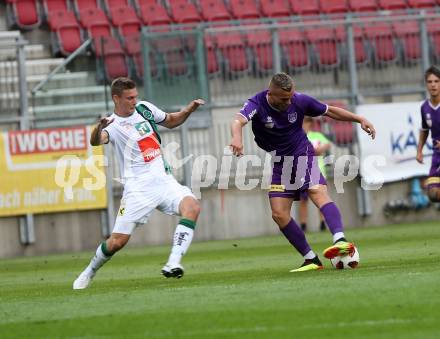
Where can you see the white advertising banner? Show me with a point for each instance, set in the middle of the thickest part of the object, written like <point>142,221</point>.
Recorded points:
<point>392,155</point>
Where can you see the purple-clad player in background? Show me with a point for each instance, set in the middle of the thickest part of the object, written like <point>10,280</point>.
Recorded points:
<point>430,111</point>
<point>277,115</point>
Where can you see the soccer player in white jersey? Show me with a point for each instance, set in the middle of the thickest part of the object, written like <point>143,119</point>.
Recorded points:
<point>147,182</point>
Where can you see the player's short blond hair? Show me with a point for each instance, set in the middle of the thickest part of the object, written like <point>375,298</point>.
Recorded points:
<point>121,84</point>
<point>283,81</point>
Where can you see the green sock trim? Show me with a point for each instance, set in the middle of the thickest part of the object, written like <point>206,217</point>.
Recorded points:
<point>188,223</point>
<point>104,250</point>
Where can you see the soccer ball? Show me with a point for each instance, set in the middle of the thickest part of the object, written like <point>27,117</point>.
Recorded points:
<point>346,261</point>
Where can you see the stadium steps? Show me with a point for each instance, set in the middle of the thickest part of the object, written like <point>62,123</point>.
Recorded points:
<point>33,66</point>
<point>71,95</point>
<point>62,115</point>
<point>77,79</point>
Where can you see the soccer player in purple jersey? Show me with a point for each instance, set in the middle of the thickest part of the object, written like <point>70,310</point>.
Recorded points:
<point>277,115</point>
<point>430,111</point>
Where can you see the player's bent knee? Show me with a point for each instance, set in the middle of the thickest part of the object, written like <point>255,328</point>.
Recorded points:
<point>281,218</point>
<point>190,208</point>
<point>116,242</point>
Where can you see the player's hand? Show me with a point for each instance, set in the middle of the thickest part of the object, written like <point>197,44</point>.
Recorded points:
<point>236,147</point>
<point>419,157</point>
<point>104,122</point>
<point>196,104</point>
<point>436,144</point>
<point>368,127</point>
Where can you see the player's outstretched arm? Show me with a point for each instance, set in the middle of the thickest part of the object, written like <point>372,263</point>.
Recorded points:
<point>423,135</point>
<point>98,136</point>
<point>237,134</point>
<point>178,118</point>
<point>338,113</point>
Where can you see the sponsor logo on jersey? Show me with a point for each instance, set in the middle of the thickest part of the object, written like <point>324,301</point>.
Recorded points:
<point>269,123</point>
<point>149,147</point>
<point>277,188</point>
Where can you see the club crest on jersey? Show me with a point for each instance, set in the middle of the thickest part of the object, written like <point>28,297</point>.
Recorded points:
<point>292,117</point>
<point>269,123</point>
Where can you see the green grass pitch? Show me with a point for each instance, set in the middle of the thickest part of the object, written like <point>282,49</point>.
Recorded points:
<point>233,289</point>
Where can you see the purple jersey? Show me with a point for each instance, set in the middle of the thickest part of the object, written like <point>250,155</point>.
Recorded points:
<point>431,121</point>
<point>281,131</point>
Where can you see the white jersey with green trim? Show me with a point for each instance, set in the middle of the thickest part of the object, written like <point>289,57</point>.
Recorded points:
<point>136,146</point>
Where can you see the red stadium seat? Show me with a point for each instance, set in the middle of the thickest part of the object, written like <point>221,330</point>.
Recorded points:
<point>380,36</point>
<point>25,13</point>
<point>294,46</point>
<point>110,51</point>
<point>69,38</point>
<point>334,6</point>
<point>61,18</point>
<point>233,50</point>
<point>392,4</point>
<point>260,42</point>
<point>111,4</point>
<point>244,9</point>
<point>142,3</point>
<point>421,3</point>
<point>274,8</point>
<point>305,7</point>
<point>172,51</point>
<point>214,10</point>
<point>126,20</point>
<point>184,13</point>
<point>409,34</point>
<point>133,49</point>
<point>52,6</point>
<point>81,5</point>
<point>325,47</point>
<point>343,132</point>
<point>95,22</point>
<point>434,34</point>
<point>363,6</point>
<point>361,53</point>
<point>154,14</point>
<point>212,63</point>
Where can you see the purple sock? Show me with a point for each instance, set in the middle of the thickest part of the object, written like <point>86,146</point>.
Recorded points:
<point>332,217</point>
<point>296,237</point>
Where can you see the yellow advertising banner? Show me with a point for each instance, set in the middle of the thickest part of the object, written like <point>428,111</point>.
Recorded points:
<point>50,170</point>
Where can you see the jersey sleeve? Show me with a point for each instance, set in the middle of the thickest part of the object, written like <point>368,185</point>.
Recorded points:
<point>425,126</point>
<point>313,107</point>
<point>158,114</point>
<point>249,109</point>
<point>110,129</point>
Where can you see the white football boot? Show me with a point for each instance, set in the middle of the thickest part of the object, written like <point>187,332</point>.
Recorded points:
<point>83,281</point>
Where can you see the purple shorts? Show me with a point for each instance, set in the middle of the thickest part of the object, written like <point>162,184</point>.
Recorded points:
<point>434,172</point>
<point>292,177</point>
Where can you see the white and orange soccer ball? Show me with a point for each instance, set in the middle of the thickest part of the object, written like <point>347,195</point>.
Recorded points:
<point>346,261</point>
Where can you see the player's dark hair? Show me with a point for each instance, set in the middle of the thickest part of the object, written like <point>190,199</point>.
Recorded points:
<point>121,84</point>
<point>283,81</point>
<point>432,70</point>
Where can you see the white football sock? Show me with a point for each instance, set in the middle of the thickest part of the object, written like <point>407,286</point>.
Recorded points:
<point>181,241</point>
<point>98,260</point>
<point>338,236</point>
<point>310,255</point>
